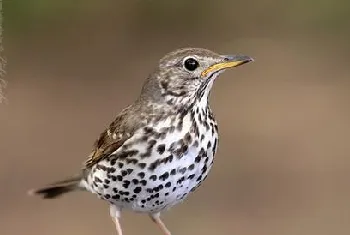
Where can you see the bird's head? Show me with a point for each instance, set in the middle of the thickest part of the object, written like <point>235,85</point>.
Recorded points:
<point>186,75</point>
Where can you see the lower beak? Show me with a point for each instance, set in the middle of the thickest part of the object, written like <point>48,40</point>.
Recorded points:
<point>229,62</point>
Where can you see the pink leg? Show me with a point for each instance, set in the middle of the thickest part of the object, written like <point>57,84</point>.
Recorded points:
<point>115,214</point>
<point>156,219</point>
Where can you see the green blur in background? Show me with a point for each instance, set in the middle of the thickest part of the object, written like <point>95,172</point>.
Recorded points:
<point>283,163</point>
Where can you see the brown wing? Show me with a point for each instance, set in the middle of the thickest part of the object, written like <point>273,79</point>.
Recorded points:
<point>110,140</point>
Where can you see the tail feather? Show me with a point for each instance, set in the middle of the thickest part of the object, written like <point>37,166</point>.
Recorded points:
<point>58,188</point>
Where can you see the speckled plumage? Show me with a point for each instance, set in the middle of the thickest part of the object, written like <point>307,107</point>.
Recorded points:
<point>160,148</point>
<point>158,166</point>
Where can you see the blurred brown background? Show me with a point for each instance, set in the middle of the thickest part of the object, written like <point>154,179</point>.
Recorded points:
<point>283,161</point>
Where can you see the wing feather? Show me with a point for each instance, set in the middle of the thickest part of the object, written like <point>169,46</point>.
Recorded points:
<point>110,140</point>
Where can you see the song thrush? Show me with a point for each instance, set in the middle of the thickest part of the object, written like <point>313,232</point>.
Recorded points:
<point>161,147</point>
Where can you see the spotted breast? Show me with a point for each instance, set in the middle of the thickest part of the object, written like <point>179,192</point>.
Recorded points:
<point>163,163</point>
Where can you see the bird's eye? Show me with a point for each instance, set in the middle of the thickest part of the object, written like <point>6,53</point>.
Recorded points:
<point>191,64</point>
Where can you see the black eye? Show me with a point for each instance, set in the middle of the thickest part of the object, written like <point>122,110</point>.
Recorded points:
<point>191,64</point>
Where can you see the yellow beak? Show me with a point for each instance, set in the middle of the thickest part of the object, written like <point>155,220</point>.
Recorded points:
<point>231,61</point>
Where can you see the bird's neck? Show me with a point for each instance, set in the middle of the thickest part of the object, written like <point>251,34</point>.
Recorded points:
<point>173,105</point>
<point>153,104</point>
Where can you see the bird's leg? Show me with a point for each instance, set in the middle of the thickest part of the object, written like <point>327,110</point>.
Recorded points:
<point>156,219</point>
<point>115,214</point>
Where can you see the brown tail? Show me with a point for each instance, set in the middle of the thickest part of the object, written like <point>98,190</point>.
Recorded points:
<point>58,188</point>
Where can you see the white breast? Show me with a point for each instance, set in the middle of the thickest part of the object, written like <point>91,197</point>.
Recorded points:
<point>140,187</point>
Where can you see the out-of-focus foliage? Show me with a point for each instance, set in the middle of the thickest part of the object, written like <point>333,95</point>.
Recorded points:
<point>308,15</point>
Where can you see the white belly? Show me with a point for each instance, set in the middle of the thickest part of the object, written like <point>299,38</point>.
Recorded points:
<point>159,179</point>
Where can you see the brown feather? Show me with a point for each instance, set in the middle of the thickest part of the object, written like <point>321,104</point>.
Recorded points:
<point>113,137</point>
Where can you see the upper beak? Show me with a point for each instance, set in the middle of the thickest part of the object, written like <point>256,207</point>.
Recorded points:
<point>229,62</point>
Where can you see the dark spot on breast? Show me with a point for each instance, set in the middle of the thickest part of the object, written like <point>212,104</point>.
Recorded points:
<point>206,125</point>
<point>200,118</point>
<point>153,177</point>
<point>156,189</point>
<point>113,161</point>
<point>161,148</point>
<point>164,176</point>
<point>131,160</point>
<point>184,149</point>
<point>202,153</point>
<point>125,154</point>
<point>204,169</point>
<point>146,154</point>
<point>179,125</point>
<point>141,175</point>
<point>137,190</point>
<point>97,179</point>
<point>191,176</point>
<point>119,178</point>
<point>172,146</point>
<point>135,181</point>
<point>167,159</point>
<point>205,177</point>
<point>183,170</point>
<point>191,167</point>
<point>188,138</point>
<point>120,165</point>
<point>151,143</point>
<point>193,116</point>
<point>180,180</point>
<point>154,165</point>
<point>142,165</point>
<point>164,84</point>
<point>149,190</point>
<point>168,184</point>
<point>195,129</point>
<point>214,146</point>
<point>216,127</point>
<point>148,130</point>
<point>102,167</point>
<point>126,183</point>
<point>209,144</point>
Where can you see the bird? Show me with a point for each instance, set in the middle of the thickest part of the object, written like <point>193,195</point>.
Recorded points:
<point>161,147</point>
